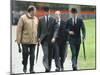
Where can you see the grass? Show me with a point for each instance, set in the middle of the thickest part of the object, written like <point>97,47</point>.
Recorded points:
<point>90,47</point>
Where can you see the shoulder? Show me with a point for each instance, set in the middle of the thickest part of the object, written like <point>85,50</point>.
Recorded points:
<point>80,19</point>
<point>69,20</point>
<point>23,16</point>
<point>36,19</point>
<point>41,17</point>
<point>51,17</point>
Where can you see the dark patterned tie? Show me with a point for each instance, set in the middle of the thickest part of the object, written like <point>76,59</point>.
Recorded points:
<point>47,21</point>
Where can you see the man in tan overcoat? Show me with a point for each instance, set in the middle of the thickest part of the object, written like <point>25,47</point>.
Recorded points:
<point>27,36</point>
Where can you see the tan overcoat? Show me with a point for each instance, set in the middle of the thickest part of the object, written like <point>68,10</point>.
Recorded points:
<point>27,29</point>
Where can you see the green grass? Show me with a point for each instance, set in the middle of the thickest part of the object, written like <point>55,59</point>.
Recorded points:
<point>90,45</point>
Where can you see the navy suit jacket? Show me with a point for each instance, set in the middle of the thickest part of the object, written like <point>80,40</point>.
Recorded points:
<point>77,28</point>
<point>60,32</point>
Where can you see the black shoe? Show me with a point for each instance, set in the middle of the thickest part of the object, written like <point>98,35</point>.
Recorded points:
<point>62,69</point>
<point>32,72</point>
<point>74,68</point>
<point>24,69</point>
<point>47,70</point>
<point>57,70</point>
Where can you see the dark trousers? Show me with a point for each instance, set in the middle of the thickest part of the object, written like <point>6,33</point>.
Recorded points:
<point>62,52</point>
<point>54,53</point>
<point>28,49</point>
<point>75,51</point>
<point>45,52</point>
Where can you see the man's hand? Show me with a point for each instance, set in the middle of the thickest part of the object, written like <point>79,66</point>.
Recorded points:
<point>19,48</point>
<point>83,39</point>
<point>53,40</point>
<point>39,41</point>
<point>71,32</point>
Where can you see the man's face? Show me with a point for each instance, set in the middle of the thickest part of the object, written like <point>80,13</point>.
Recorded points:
<point>33,12</point>
<point>57,15</point>
<point>47,12</point>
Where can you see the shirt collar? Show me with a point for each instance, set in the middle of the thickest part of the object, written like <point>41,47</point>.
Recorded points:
<point>75,17</point>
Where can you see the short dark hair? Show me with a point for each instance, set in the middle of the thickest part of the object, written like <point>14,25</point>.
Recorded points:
<point>73,10</point>
<point>31,8</point>
<point>46,8</point>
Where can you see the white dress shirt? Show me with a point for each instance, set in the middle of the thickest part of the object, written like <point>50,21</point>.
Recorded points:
<point>74,19</point>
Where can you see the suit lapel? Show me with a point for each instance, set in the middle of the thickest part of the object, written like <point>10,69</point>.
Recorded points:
<point>45,23</point>
<point>71,22</point>
<point>60,23</point>
<point>44,20</point>
<point>76,21</point>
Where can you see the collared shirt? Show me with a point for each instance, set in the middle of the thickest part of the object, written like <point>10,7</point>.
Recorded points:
<point>74,20</point>
<point>47,17</point>
<point>58,21</point>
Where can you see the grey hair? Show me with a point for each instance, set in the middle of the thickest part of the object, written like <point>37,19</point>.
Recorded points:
<point>31,8</point>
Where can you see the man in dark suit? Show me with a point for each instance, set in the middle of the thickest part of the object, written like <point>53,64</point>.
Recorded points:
<point>45,34</point>
<point>60,39</point>
<point>73,28</point>
<point>53,47</point>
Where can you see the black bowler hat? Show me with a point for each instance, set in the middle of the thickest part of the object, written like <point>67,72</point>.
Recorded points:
<point>73,10</point>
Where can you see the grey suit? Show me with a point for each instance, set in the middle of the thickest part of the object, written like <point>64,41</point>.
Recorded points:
<point>45,34</point>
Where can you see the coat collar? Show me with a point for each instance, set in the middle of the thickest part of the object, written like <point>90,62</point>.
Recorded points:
<point>29,16</point>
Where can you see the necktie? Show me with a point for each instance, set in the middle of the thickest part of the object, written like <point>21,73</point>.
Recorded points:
<point>47,21</point>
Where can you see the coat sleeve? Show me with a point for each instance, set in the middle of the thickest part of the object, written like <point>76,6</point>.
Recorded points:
<point>67,27</point>
<point>39,28</point>
<point>83,29</point>
<point>19,30</point>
